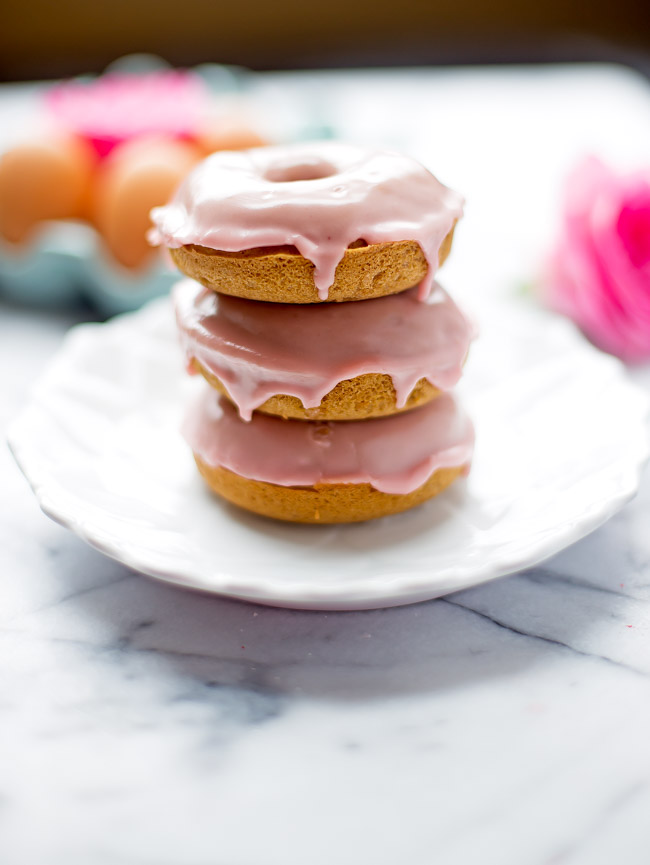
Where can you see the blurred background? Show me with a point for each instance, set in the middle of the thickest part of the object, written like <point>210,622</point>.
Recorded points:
<point>40,39</point>
<point>83,163</point>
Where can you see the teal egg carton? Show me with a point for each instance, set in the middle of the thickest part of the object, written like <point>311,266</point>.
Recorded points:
<point>65,262</point>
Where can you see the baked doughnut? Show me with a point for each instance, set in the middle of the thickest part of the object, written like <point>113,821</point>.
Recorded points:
<point>308,223</point>
<point>312,472</point>
<point>369,395</point>
<point>323,362</point>
<point>321,503</point>
<point>282,275</point>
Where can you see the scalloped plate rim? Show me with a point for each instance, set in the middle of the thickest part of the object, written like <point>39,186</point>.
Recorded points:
<point>389,589</point>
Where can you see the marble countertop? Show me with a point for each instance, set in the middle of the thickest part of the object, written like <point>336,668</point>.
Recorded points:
<point>145,725</point>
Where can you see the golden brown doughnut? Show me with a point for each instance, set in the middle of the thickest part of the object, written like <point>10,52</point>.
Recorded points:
<point>282,275</point>
<point>329,472</point>
<point>322,503</point>
<point>365,396</point>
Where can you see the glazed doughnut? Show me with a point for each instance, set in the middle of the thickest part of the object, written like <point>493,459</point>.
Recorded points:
<point>325,362</point>
<point>322,503</point>
<point>312,472</point>
<point>309,222</point>
<point>368,395</point>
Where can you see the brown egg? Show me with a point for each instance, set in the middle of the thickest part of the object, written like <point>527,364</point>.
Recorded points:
<point>228,134</point>
<point>138,175</point>
<point>48,179</point>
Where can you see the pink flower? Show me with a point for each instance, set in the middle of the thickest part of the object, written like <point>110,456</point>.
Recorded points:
<point>599,273</point>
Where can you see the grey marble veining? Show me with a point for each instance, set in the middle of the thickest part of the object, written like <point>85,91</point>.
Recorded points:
<point>145,725</point>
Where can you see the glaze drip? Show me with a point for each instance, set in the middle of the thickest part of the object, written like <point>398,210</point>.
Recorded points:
<point>395,454</point>
<point>258,350</point>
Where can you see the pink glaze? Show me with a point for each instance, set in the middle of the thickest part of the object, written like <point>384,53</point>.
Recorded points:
<point>119,106</point>
<point>395,454</point>
<point>261,349</point>
<point>319,197</point>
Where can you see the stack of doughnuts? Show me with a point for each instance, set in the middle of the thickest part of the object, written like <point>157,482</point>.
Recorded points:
<point>310,308</point>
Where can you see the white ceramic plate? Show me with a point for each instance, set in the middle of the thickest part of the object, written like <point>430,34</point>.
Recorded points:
<point>561,439</point>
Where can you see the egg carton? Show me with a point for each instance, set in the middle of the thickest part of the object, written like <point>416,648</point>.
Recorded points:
<point>65,262</point>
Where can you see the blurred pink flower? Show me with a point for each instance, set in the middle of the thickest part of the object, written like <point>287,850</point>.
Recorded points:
<point>599,273</point>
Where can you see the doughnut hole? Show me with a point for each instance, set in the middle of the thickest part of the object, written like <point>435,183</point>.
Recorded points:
<point>139,174</point>
<point>309,168</point>
<point>42,180</point>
